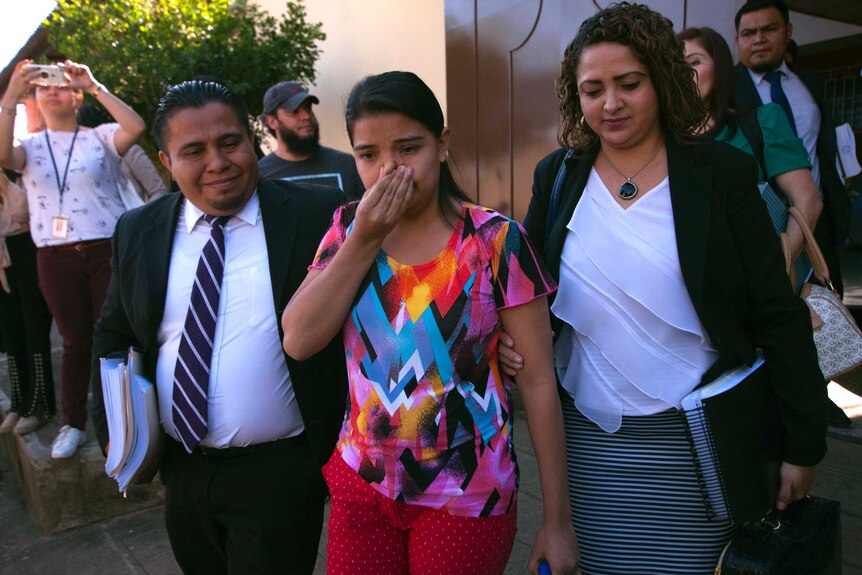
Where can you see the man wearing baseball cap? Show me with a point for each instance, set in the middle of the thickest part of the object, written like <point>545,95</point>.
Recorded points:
<point>299,155</point>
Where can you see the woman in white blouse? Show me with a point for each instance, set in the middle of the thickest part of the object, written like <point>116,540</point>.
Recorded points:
<point>669,274</point>
<point>74,196</point>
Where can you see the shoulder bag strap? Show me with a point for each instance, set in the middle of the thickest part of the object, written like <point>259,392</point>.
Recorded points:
<point>821,270</point>
<point>554,204</point>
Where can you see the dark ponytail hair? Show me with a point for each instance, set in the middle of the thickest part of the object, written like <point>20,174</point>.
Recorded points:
<point>722,101</point>
<point>405,93</point>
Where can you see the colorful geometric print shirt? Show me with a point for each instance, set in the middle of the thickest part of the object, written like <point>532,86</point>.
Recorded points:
<point>429,420</point>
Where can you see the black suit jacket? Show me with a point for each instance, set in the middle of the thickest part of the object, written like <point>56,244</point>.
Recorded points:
<point>836,202</point>
<point>295,218</point>
<point>733,269</point>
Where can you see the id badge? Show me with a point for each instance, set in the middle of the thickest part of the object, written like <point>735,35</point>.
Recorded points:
<point>59,227</point>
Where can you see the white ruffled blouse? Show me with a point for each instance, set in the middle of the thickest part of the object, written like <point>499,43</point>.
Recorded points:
<point>632,343</point>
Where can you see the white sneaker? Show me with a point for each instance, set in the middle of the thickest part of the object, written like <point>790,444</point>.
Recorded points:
<point>67,443</point>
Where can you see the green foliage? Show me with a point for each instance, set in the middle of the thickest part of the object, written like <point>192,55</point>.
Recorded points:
<point>140,47</point>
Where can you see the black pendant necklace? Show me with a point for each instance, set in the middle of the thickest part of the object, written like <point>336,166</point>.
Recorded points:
<point>628,190</point>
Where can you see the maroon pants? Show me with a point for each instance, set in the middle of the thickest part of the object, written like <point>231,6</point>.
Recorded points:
<point>74,280</point>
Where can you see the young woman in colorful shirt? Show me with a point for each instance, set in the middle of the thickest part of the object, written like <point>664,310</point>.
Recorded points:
<point>420,282</point>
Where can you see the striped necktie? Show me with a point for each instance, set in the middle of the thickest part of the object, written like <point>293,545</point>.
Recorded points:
<point>192,372</point>
<point>779,97</point>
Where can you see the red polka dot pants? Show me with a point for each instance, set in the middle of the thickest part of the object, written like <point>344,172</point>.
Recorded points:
<point>370,534</point>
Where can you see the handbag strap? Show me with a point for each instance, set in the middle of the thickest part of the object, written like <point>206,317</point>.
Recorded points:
<point>818,262</point>
<point>554,204</point>
<point>789,268</point>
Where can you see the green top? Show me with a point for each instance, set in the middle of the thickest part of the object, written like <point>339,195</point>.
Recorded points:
<point>782,150</point>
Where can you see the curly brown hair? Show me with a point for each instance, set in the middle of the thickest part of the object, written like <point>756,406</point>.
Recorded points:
<point>651,37</point>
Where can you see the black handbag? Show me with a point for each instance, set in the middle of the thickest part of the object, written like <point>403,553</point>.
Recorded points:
<point>804,539</point>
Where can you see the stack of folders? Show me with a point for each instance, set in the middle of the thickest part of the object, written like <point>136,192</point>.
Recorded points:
<point>735,437</point>
<point>135,435</point>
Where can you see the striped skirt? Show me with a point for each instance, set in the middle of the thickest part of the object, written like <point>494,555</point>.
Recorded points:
<point>636,504</point>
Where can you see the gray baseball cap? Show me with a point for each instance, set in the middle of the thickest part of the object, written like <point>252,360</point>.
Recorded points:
<point>287,95</point>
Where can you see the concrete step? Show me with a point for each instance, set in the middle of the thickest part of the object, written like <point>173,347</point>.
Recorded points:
<point>66,493</point>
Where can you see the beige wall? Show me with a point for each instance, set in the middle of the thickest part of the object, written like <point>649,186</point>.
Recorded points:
<point>369,37</point>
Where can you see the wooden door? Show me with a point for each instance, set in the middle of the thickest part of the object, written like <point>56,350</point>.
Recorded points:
<point>502,60</point>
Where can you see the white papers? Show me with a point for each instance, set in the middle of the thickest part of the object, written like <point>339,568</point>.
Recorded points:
<point>133,420</point>
<point>112,391</point>
<point>846,162</point>
<point>727,380</point>
<point>145,431</point>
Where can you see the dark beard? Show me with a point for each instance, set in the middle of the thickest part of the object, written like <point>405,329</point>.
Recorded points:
<point>299,145</point>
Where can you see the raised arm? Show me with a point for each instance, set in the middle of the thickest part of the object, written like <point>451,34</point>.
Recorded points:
<point>131,124</point>
<point>317,310</point>
<point>529,326</point>
<point>13,157</point>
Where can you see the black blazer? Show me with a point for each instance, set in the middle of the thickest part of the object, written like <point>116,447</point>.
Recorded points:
<point>836,202</point>
<point>295,218</point>
<point>733,269</point>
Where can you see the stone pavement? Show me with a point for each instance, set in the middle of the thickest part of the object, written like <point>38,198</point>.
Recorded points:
<point>136,542</point>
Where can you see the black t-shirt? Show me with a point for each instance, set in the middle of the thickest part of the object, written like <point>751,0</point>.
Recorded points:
<point>327,167</point>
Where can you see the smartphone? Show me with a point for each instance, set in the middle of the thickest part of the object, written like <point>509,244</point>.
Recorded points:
<point>49,75</point>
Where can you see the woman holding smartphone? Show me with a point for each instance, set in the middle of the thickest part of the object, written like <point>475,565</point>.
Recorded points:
<point>75,202</point>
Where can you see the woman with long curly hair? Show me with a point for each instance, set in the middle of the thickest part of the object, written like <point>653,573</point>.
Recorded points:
<point>669,274</point>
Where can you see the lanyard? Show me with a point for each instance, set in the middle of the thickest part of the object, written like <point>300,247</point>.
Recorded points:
<point>61,185</point>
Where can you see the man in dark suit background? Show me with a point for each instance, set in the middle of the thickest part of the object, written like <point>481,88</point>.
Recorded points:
<point>244,491</point>
<point>763,33</point>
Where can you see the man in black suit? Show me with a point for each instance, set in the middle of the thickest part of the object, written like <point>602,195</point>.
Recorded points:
<point>763,33</point>
<point>245,494</point>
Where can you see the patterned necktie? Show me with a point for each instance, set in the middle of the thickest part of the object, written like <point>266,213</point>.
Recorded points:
<point>192,372</point>
<point>779,97</point>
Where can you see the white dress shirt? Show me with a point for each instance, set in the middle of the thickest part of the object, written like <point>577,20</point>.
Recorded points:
<point>250,397</point>
<point>806,114</point>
